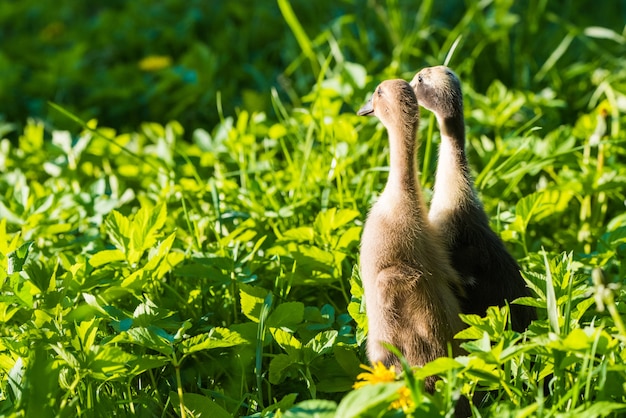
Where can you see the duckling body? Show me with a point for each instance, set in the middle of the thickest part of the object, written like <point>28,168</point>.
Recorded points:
<point>408,280</point>
<point>490,275</point>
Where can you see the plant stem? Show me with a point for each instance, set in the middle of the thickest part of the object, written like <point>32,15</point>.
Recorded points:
<point>179,385</point>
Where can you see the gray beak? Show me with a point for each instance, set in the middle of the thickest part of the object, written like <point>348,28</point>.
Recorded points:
<point>367,109</point>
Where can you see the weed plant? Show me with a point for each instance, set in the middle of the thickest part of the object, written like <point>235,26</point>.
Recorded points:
<point>214,272</point>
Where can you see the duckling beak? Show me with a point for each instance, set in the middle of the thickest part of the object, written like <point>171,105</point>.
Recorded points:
<point>367,109</point>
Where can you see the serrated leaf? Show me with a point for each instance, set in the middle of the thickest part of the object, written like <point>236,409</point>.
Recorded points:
<point>287,341</point>
<point>216,338</point>
<point>332,219</point>
<point>321,344</point>
<point>146,338</point>
<point>145,228</point>
<point>161,260</point>
<point>118,230</point>
<point>288,315</point>
<point>251,301</point>
<point>354,309</point>
<point>278,366</point>
<point>538,206</point>
<point>145,362</point>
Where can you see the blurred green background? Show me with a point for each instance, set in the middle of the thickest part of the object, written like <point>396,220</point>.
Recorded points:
<point>124,62</point>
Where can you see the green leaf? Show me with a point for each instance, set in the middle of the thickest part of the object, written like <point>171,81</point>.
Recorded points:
<point>300,234</point>
<point>313,408</point>
<point>287,341</point>
<point>110,362</point>
<point>349,238</point>
<point>287,315</point>
<point>347,359</point>
<point>145,228</point>
<point>66,356</point>
<point>41,275</point>
<point>368,401</point>
<point>106,256</point>
<point>328,221</point>
<point>17,258</point>
<point>200,406</point>
<point>118,229</point>
<point>85,336</point>
<point>278,367</point>
<point>216,338</point>
<point>321,344</point>
<point>7,310</point>
<point>538,206</point>
<point>251,300</point>
<point>162,260</point>
<point>439,366</point>
<point>146,338</point>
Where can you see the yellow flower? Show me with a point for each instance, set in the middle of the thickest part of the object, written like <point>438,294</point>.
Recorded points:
<point>404,402</point>
<point>377,374</point>
<point>155,62</point>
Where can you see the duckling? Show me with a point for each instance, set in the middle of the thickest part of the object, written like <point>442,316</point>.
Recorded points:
<point>491,276</point>
<point>408,280</point>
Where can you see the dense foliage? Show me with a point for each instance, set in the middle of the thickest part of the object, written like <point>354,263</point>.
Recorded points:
<point>208,266</point>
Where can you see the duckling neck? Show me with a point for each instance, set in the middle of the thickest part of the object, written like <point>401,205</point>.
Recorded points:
<point>453,182</point>
<point>453,129</point>
<point>403,161</point>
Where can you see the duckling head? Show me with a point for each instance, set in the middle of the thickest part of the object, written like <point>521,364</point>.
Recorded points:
<point>394,103</point>
<point>438,89</point>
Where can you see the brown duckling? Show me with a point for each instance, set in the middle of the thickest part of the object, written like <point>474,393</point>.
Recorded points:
<point>408,280</point>
<point>490,275</point>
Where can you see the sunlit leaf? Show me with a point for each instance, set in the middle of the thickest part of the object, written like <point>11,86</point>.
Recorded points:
<point>251,299</point>
<point>287,341</point>
<point>368,399</point>
<point>17,258</point>
<point>216,338</point>
<point>106,256</point>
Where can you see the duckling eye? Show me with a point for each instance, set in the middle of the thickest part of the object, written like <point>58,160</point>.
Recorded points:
<point>379,91</point>
<point>419,79</point>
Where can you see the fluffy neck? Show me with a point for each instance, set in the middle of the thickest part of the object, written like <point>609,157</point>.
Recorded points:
<point>453,182</point>
<point>403,160</point>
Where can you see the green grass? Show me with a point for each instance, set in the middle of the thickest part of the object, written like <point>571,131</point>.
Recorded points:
<point>169,270</point>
